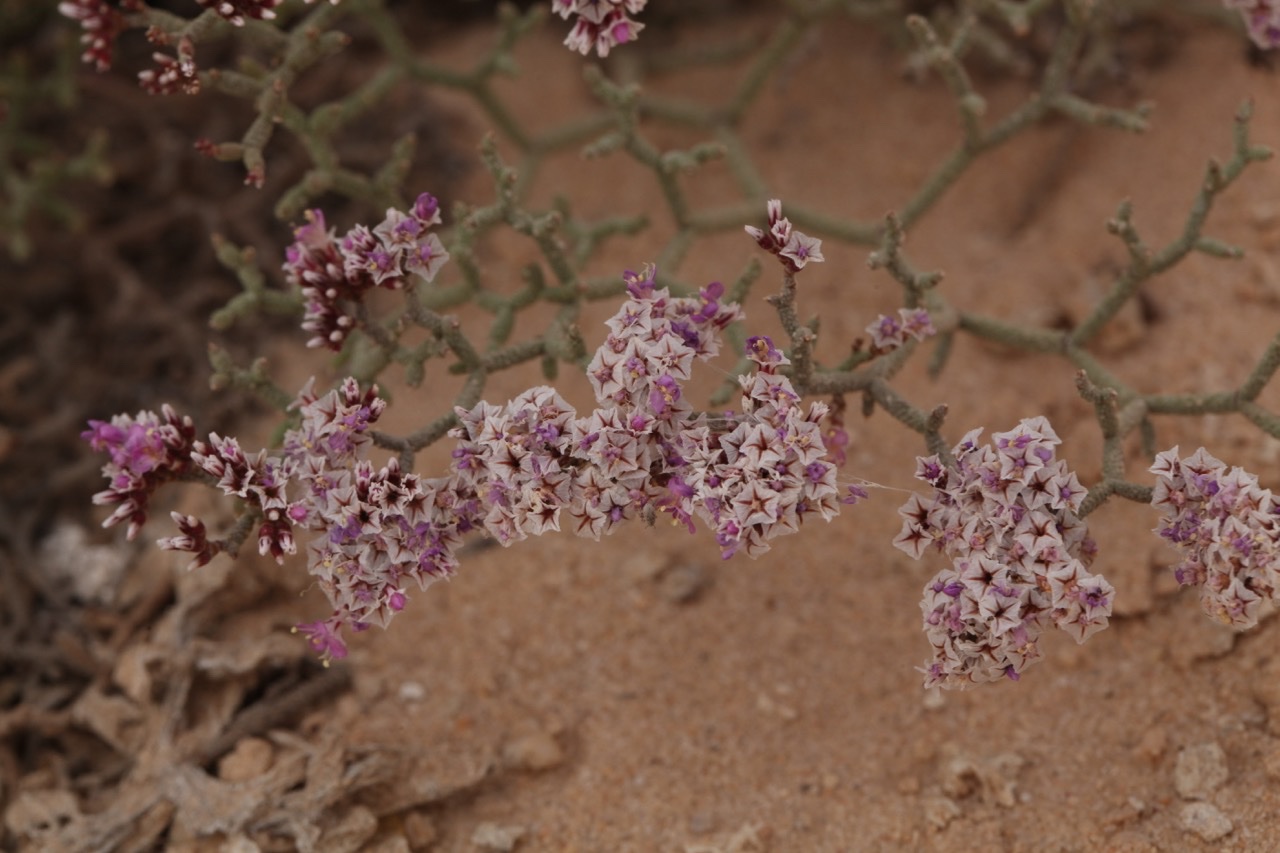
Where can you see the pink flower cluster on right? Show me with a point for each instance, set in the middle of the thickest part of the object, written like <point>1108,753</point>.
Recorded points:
<point>1006,516</point>
<point>1228,529</point>
<point>1261,18</point>
<point>601,24</point>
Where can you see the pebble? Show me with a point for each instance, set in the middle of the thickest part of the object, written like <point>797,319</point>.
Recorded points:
<point>1206,821</point>
<point>250,758</point>
<point>501,839</point>
<point>1152,745</point>
<point>412,691</point>
<point>536,752</point>
<point>940,811</point>
<point>1200,770</point>
<point>683,582</point>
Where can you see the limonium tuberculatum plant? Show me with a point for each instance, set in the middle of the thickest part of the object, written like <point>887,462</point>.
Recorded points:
<point>1007,517</point>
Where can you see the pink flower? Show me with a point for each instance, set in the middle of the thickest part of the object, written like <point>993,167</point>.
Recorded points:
<point>793,248</point>
<point>601,25</point>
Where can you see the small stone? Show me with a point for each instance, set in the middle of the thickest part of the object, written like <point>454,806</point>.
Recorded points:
<point>1200,769</point>
<point>959,777</point>
<point>491,836</point>
<point>412,691</point>
<point>536,752</point>
<point>683,582</point>
<point>41,815</point>
<point>940,811</point>
<point>1152,745</point>
<point>419,831</point>
<point>1205,820</point>
<point>250,758</point>
<point>240,843</point>
<point>768,705</point>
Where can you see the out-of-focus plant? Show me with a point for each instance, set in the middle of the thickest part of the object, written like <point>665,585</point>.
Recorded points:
<point>37,81</point>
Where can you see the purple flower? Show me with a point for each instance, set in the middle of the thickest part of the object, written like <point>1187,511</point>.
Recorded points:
<point>793,248</point>
<point>761,350</point>
<point>324,638</point>
<point>145,451</point>
<point>602,24</point>
<point>1224,523</point>
<point>888,333</point>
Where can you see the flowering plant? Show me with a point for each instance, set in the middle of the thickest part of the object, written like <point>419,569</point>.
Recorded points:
<point>1009,516</point>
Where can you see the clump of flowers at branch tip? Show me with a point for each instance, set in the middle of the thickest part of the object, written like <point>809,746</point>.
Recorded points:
<point>1228,530</point>
<point>1261,19</point>
<point>172,74</point>
<point>102,23</point>
<point>888,333</point>
<point>1005,514</point>
<point>237,11</point>
<point>749,476</point>
<point>145,451</point>
<point>793,248</point>
<point>600,24</point>
<point>335,274</point>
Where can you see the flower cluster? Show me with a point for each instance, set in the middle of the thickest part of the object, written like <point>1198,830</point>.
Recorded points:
<point>374,530</point>
<point>100,23</point>
<point>236,11</point>
<point>518,470</point>
<point>146,451</point>
<point>1261,18</point>
<point>1006,516</point>
<point>888,333</point>
<point>1228,529</point>
<point>750,477</point>
<point>601,24</point>
<point>334,274</point>
<point>793,248</point>
<point>172,74</point>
